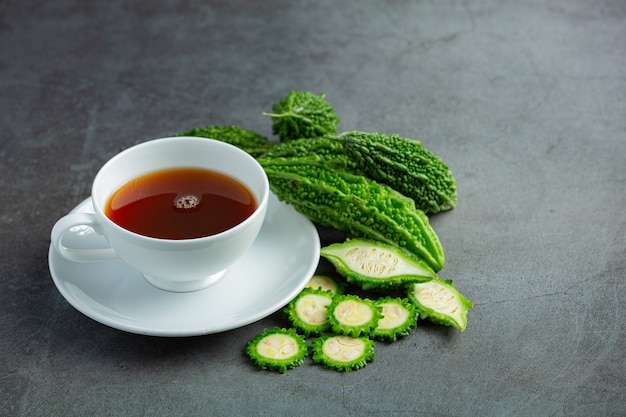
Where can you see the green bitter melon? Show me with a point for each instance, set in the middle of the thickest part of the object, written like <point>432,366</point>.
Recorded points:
<point>278,349</point>
<point>354,204</point>
<point>405,165</point>
<point>375,265</point>
<point>326,149</point>
<point>342,353</point>
<point>438,301</point>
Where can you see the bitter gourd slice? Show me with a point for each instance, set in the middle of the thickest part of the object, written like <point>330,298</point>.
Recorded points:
<point>399,317</point>
<point>438,301</point>
<point>375,265</point>
<point>326,283</point>
<point>246,140</point>
<point>354,204</point>
<point>405,165</point>
<point>353,316</point>
<point>343,353</point>
<point>278,349</point>
<point>302,114</point>
<point>307,311</point>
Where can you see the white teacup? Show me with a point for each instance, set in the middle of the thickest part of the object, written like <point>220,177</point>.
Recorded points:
<point>172,265</point>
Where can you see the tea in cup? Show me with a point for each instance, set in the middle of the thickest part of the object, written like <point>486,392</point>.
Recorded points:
<point>179,210</point>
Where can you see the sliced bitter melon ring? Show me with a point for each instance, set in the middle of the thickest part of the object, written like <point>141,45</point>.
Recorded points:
<point>399,317</point>
<point>307,311</point>
<point>278,349</point>
<point>353,316</point>
<point>376,265</point>
<point>343,353</point>
<point>440,302</point>
<point>325,282</point>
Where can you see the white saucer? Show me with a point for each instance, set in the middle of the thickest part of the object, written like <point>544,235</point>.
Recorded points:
<point>272,272</point>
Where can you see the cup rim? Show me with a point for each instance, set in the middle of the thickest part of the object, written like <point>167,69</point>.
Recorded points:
<point>259,210</point>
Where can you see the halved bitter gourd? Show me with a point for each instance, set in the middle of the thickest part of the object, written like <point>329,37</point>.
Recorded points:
<point>343,353</point>
<point>326,283</point>
<point>307,311</point>
<point>399,317</point>
<point>438,301</point>
<point>353,316</point>
<point>376,265</point>
<point>278,349</point>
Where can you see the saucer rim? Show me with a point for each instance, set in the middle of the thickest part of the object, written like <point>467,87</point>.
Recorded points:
<point>310,261</point>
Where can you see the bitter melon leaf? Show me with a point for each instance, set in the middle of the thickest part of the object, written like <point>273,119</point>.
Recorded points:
<point>343,353</point>
<point>438,301</point>
<point>375,265</point>
<point>278,349</point>
<point>307,311</point>
<point>353,316</point>
<point>399,317</point>
<point>302,114</point>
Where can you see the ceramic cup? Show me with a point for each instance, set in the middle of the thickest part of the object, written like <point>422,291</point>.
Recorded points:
<point>172,265</point>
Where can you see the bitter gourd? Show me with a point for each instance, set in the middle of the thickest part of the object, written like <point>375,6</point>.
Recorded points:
<point>246,140</point>
<point>325,282</point>
<point>307,311</point>
<point>438,301</point>
<point>354,204</point>
<point>399,317</point>
<point>324,148</point>
<point>342,353</point>
<point>405,165</point>
<point>375,265</point>
<point>278,349</point>
<point>302,114</point>
<point>353,316</point>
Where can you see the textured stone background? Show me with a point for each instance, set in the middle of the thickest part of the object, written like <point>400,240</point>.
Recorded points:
<point>525,100</point>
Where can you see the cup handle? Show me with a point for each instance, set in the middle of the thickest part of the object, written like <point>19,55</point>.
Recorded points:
<point>64,226</point>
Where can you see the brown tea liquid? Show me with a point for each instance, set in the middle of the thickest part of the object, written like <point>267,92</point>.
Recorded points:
<point>180,203</point>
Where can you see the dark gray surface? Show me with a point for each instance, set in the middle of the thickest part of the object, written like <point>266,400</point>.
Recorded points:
<point>526,101</point>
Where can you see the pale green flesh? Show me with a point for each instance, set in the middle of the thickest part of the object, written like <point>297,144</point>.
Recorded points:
<point>443,300</point>
<point>376,262</point>
<point>394,316</point>
<point>343,348</point>
<point>277,346</point>
<point>311,309</point>
<point>353,313</point>
<point>324,283</point>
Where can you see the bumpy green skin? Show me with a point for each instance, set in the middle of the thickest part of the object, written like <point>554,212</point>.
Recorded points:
<point>439,310</point>
<point>419,271</point>
<point>405,165</point>
<point>352,329</point>
<point>326,149</point>
<point>402,329</point>
<point>280,365</point>
<point>302,114</point>
<point>247,140</point>
<point>354,204</point>
<point>345,364</point>
<point>302,323</point>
